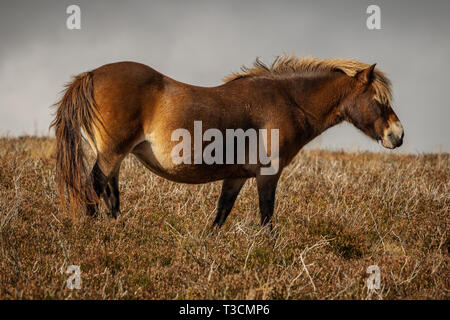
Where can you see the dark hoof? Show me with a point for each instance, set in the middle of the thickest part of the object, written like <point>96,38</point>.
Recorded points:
<point>92,210</point>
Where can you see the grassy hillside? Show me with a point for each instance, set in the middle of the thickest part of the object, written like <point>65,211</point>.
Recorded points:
<point>336,214</point>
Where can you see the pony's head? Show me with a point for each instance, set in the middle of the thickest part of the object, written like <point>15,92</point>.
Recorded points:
<point>367,102</point>
<point>369,108</point>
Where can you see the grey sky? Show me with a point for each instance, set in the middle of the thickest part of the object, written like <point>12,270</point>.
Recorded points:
<point>198,42</point>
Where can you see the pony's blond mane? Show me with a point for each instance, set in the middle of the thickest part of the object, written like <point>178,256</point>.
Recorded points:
<point>288,64</point>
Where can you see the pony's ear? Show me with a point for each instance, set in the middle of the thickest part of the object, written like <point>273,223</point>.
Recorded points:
<point>366,75</point>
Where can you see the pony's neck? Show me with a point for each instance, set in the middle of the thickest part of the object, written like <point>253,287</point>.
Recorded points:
<point>318,99</point>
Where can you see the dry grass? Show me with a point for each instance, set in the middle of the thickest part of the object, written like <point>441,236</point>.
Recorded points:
<point>336,214</point>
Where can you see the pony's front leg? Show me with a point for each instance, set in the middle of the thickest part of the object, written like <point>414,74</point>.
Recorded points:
<point>267,186</point>
<point>230,191</point>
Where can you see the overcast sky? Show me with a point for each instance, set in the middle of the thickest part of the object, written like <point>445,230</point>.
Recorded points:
<point>199,42</point>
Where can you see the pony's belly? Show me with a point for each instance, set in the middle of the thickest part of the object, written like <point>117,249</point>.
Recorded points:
<point>160,162</point>
<point>155,160</point>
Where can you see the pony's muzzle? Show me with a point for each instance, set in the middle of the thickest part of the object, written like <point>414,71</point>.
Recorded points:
<point>393,136</point>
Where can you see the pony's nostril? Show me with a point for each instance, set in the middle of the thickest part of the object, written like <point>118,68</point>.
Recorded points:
<point>399,141</point>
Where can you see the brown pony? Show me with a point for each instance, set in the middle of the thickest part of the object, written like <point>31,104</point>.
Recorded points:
<point>127,107</point>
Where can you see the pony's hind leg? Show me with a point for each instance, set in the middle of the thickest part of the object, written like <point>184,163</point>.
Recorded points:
<point>111,195</point>
<point>105,182</point>
<point>99,182</point>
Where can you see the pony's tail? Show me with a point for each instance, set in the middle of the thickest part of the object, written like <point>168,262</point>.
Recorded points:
<point>75,111</point>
